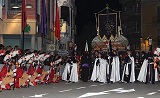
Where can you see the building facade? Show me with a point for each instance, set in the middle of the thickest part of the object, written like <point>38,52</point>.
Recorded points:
<point>150,12</point>
<point>131,22</point>
<point>140,20</point>
<point>68,27</point>
<point>10,32</point>
<point>1,6</point>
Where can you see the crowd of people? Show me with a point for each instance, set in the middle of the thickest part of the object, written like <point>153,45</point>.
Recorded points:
<point>126,66</point>
<point>121,66</point>
<point>26,68</point>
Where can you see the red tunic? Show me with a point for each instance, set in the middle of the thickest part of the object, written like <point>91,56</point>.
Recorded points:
<point>4,71</point>
<point>19,74</point>
<point>31,70</point>
<point>51,76</point>
<point>39,70</point>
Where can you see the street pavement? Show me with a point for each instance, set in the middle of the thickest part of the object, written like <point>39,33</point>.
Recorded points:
<point>86,90</point>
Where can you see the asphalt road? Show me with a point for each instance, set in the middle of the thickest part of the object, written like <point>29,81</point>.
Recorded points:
<point>86,90</point>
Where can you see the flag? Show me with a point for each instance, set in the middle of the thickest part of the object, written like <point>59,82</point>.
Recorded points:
<point>24,16</point>
<point>3,3</point>
<point>107,24</point>
<point>86,47</point>
<point>44,18</point>
<point>57,22</point>
<point>1,9</point>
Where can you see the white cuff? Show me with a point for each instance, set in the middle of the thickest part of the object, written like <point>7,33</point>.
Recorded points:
<point>39,75</point>
<point>14,70</point>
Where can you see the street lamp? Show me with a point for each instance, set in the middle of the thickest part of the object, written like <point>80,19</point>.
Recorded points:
<point>150,43</point>
<point>70,46</point>
<point>141,38</point>
<point>144,42</point>
<point>23,16</point>
<point>24,19</point>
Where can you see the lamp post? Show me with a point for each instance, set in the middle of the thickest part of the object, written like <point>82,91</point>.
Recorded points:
<point>150,43</point>
<point>23,17</point>
<point>24,20</point>
<point>71,46</point>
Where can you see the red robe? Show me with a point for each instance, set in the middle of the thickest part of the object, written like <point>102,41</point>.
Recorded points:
<point>51,76</point>
<point>31,70</point>
<point>19,74</point>
<point>3,71</point>
<point>39,70</point>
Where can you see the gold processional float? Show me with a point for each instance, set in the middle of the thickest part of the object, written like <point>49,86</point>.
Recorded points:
<point>109,29</point>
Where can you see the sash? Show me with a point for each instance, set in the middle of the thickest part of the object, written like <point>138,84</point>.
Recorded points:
<point>85,65</point>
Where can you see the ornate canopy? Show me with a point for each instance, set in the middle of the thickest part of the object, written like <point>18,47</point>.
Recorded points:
<point>119,43</point>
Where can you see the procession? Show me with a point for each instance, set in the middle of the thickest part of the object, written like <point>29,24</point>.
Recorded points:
<point>21,69</point>
<point>79,48</point>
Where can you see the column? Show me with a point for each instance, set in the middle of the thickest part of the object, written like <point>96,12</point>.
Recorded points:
<point>33,42</point>
<point>0,9</point>
<point>1,39</point>
<point>39,43</point>
<point>70,21</point>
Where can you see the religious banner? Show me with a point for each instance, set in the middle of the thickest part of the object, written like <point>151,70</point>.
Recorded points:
<point>107,24</point>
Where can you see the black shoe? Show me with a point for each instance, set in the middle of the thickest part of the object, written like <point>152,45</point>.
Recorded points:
<point>153,83</point>
<point>111,82</point>
<point>69,81</point>
<point>24,86</point>
<point>47,83</point>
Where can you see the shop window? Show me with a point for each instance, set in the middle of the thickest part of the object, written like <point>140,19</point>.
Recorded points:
<point>12,3</point>
<point>14,13</point>
<point>158,13</point>
<point>158,42</point>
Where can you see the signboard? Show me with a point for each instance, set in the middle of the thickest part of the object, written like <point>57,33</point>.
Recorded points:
<point>51,47</point>
<point>63,52</point>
